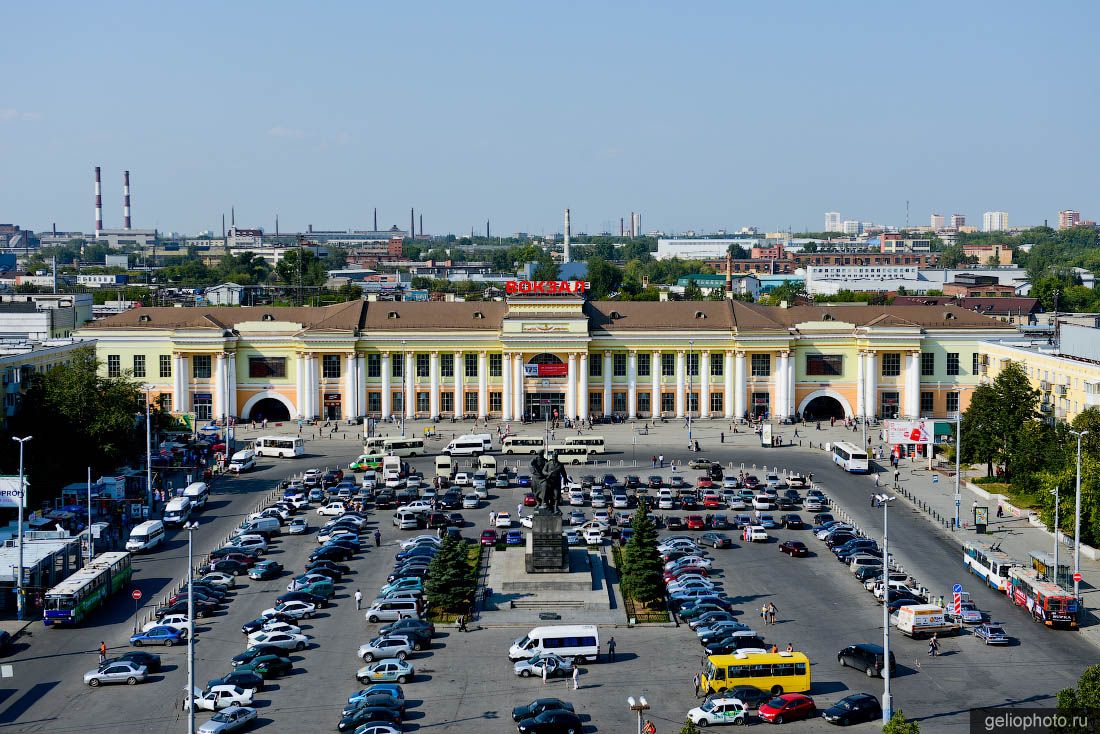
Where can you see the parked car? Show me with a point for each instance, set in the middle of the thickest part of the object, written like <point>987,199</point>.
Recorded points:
<point>121,671</point>
<point>229,720</point>
<point>794,548</point>
<point>269,666</point>
<point>554,665</point>
<point>555,721</point>
<point>159,635</point>
<point>867,657</point>
<point>992,633</point>
<point>787,707</point>
<point>536,707</point>
<point>853,709</point>
<point>150,660</point>
<point>724,710</point>
<point>389,670</point>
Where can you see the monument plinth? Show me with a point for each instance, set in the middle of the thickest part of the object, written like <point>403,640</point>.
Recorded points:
<point>546,548</point>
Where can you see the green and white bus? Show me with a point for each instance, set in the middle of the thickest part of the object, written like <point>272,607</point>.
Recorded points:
<point>71,601</point>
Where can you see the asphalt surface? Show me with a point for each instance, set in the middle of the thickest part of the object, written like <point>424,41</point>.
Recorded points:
<point>465,683</point>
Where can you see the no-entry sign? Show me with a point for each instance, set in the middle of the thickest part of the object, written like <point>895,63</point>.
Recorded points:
<point>1077,578</point>
<point>135,594</point>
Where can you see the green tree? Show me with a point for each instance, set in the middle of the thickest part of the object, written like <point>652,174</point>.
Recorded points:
<point>451,581</point>
<point>787,291</point>
<point>642,573</point>
<point>717,294</point>
<point>692,291</point>
<point>301,267</point>
<point>954,257</point>
<point>737,252</point>
<point>689,727</point>
<point>604,277</point>
<point>1085,696</point>
<point>898,725</point>
<point>998,414</point>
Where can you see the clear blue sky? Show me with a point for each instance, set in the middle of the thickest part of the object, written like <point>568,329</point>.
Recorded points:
<point>699,115</point>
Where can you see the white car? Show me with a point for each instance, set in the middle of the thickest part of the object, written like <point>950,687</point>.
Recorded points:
<point>698,561</point>
<point>287,627</point>
<point>755,534</point>
<point>602,516</point>
<point>175,621</point>
<point>599,499</point>
<point>230,720</point>
<point>593,536</point>
<point>763,502</point>
<point>503,520</point>
<point>220,578</point>
<point>773,480</point>
<point>680,544</point>
<point>369,479</point>
<point>393,479</point>
<point>576,498</point>
<point>620,501</point>
<point>252,542</point>
<point>719,711</point>
<point>462,479</point>
<point>297,526</point>
<point>332,508</point>
<point>418,506</point>
<point>219,697</point>
<point>285,640</point>
<point>527,521</point>
<point>471,502</point>
<point>730,483</point>
<point>736,503</point>
<point>294,609</point>
<point>666,501</point>
<point>421,540</point>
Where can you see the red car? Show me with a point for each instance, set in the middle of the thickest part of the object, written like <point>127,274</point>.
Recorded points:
<point>794,548</point>
<point>684,570</point>
<point>713,502</point>
<point>530,500</point>
<point>787,707</point>
<point>704,483</point>
<point>488,537</point>
<point>694,522</point>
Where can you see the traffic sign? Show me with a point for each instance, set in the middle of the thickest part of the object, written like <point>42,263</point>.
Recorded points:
<point>957,602</point>
<point>957,589</point>
<point>135,594</point>
<point>1077,578</point>
<point>649,728</point>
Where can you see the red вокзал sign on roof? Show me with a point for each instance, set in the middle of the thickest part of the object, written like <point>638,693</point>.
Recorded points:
<point>545,286</point>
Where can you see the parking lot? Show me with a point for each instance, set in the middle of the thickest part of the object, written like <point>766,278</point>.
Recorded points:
<point>465,682</point>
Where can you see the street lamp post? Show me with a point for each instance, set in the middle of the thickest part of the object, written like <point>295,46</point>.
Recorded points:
<point>887,699</point>
<point>958,456</point>
<point>91,541</point>
<point>22,501</point>
<point>404,392</point>
<point>190,527</point>
<point>640,705</point>
<point>148,453</point>
<point>1057,531</point>
<point>1076,525</point>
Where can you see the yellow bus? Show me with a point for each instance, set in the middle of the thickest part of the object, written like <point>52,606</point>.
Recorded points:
<point>777,672</point>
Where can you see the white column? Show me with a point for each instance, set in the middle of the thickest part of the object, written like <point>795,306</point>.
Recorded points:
<point>179,375</point>
<point>433,396</point>
<point>314,385</point>
<point>410,385</point>
<point>632,385</point>
<point>780,408</point>
<point>517,386</point>
<point>582,387</point>
<point>728,407</point>
<point>912,386</point>
<point>506,398</point>
<point>231,366</point>
<point>219,386</point>
<point>300,384</point>
<point>460,384</point>
<point>792,381</point>
<point>681,387</point>
<point>608,367</point>
<point>655,385</point>
<point>571,388</point>
<point>351,388</point>
<point>387,387</point>
<point>482,385</point>
<point>741,387</point>
<point>861,383</point>
<point>704,384</point>
<point>870,400</point>
<point>360,385</point>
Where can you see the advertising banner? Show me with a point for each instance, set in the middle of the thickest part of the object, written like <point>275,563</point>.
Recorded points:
<point>908,432</point>
<point>10,496</point>
<point>553,370</point>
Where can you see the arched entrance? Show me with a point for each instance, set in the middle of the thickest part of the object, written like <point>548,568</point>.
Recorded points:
<point>548,399</point>
<point>270,405</point>
<point>821,405</point>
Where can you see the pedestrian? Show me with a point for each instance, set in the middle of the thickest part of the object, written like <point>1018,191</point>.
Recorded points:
<point>545,668</point>
<point>933,645</point>
<point>773,612</point>
<point>102,652</point>
<point>1000,510</point>
<point>790,647</point>
<point>576,677</point>
<point>695,681</point>
<point>764,613</point>
<point>377,538</point>
<point>611,649</point>
<point>358,599</point>
<point>654,466</point>
<point>462,623</point>
<point>775,649</point>
<point>492,519</point>
<point>661,460</point>
<point>897,477</point>
<point>722,437</point>
<point>519,509</point>
<point>872,500</point>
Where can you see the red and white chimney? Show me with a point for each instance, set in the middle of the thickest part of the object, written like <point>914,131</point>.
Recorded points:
<point>98,204</point>
<point>126,200</point>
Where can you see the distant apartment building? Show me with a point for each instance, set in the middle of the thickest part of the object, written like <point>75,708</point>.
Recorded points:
<point>816,273</point>
<point>832,222</point>
<point>1001,254</point>
<point>995,222</point>
<point>870,257</point>
<point>1068,218</point>
<point>698,248</point>
<point>892,242</point>
<point>20,358</point>
<point>958,221</point>
<point>273,254</point>
<point>938,222</point>
<point>102,280</point>
<point>769,252</point>
<point>851,226</point>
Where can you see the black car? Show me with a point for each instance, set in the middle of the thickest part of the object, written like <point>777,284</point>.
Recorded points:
<point>256,651</point>
<point>242,678</point>
<point>792,495</point>
<point>315,599</point>
<point>369,714</point>
<point>840,537</point>
<point>333,565</point>
<point>380,699</point>
<point>853,709</point>
<point>225,565</point>
<point>823,517</point>
<point>653,481</point>
<point>202,609</point>
<point>210,590</point>
<point>456,520</point>
<point>148,659</point>
<point>437,520</point>
<point>450,500</point>
<point>718,522</point>
<point>385,500</point>
<point>550,722</point>
<point>412,628</point>
<point>720,635</point>
<point>331,553</point>
<point>536,707</point>
<point>674,522</point>
<point>863,573</point>
<point>331,478</point>
<point>731,645</point>
<point>331,573</point>
<point>751,696</point>
<point>227,550</point>
<point>792,521</point>
<point>785,503</point>
<point>632,481</point>
<point>867,657</point>
<point>417,572</point>
<point>271,666</point>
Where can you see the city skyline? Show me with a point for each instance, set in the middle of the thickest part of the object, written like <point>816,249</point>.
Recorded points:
<point>493,112</point>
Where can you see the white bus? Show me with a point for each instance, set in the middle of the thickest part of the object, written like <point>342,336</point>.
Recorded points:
<point>374,445</point>
<point>595,444</point>
<point>569,454</point>
<point>850,458</point>
<point>146,536</point>
<point>989,564</point>
<point>403,446</point>
<point>578,641</point>
<point>523,444</point>
<point>286,447</point>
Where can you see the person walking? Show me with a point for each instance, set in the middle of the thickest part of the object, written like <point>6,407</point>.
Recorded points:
<point>102,652</point>
<point>661,460</point>
<point>773,612</point>
<point>695,681</point>
<point>358,599</point>
<point>764,613</point>
<point>933,645</point>
<point>611,649</point>
<point>774,649</point>
<point>519,509</point>
<point>897,477</point>
<point>492,519</point>
<point>377,538</point>
<point>576,677</point>
<point>722,437</point>
<point>545,668</point>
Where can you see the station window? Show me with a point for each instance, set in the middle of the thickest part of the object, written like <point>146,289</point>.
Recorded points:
<point>495,365</point>
<point>166,365</point>
<point>952,402</point>
<point>398,402</point>
<point>927,364</point>
<point>139,365</point>
<point>693,402</point>
<point>717,402</point>
<point>423,367</point>
<point>595,403</point>
<point>693,364</point>
<point>447,402</point>
<point>114,365</point>
<point>471,364</point>
<point>471,402</point>
<point>761,365</point>
<point>423,402</point>
<point>618,402</point>
<point>717,364</point>
<point>330,366</point>
<point>927,403</point>
<point>952,363</point>
<point>619,369</point>
<point>975,363</point>
<point>644,405</point>
<point>495,402</point>
<point>668,402</point>
<point>447,365</point>
<point>266,367</point>
<point>374,402</point>
<point>643,365</point>
<point>374,365</point>
<point>668,365</point>
<point>397,365</point>
<point>595,366</point>
<point>200,365</point>
<point>891,364</point>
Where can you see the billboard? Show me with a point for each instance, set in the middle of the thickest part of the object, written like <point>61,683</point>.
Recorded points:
<point>10,496</point>
<point>546,370</point>
<point>909,432</point>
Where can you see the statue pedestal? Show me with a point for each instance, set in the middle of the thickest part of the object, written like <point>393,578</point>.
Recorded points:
<point>546,548</point>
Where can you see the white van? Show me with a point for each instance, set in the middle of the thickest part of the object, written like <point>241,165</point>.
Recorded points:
<point>578,641</point>
<point>485,438</point>
<point>465,446</point>
<point>286,447</point>
<point>373,445</point>
<point>243,461</point>
<point>488,464</point>
<point>403,446</point>
<point>391,610</point>
<point>406,520</point>
<point>177,511</point>
<point>146,536</point>
<point>266,526</point>
<point>595,444</point>
<point>569,454</point>
<point>198,493</point>
<point>523,444</point>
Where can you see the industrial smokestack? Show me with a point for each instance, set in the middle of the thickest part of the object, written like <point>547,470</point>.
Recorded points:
<point>565,247</point>
<point>421,225</point>
<point>375,219</point>
<point>98,205</point>
<point>126,200</point>
<point>635,224</point>
<point>412,223</point>
<point>486,229</point>
<point>622,228</point>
